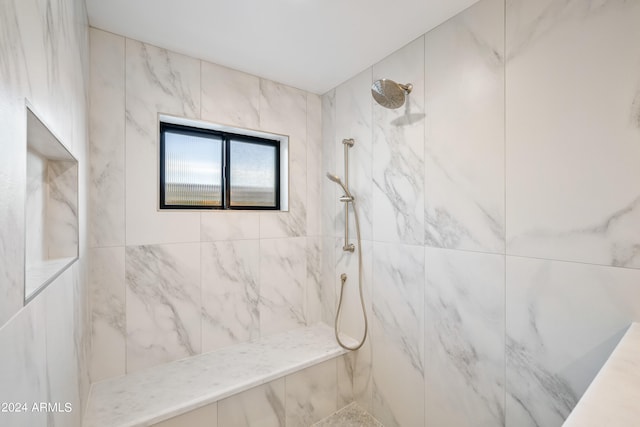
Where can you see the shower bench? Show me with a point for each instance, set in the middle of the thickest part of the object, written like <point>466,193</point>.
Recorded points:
<point>162,392</point>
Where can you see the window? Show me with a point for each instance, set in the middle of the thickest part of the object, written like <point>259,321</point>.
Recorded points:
<point>214,169</point>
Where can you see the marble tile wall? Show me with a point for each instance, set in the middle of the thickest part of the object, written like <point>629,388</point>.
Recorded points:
<point>44,53</point>
<point>166,285</point>
<point>503,204</point>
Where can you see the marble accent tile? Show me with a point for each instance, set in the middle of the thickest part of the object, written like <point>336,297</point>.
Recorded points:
<point>350,416</point>
<point>563,320</point>
<point>329,203</point>
<point>315,171</point>
<point>311,394</point>
<point>63,359</point>
<point>229,293</point>
<point>230,97</point>
<point>397,334</point>
<point>107,140</point>
<point>163,303</point>
<point>207,416</point>
<point>283,110</point>
<point>107,296</point>
<point>464,338</point>
<point>398,151</point>
<point>464,142</point>
<point>313,307</point>
<point>156,394</point>
<point>23,364</point>
<point>283,280</point>
<point>353,120</point>
<point>157,81</point>
<point>573,131</point>
<point>229,225</point>
<point>261,406</point>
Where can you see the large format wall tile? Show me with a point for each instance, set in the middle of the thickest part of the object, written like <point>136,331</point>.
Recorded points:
<point>163,303</point>
<point>230,97</point>
<point>23,365</point>
<point>107,144</point>
<point>261,406</point>
<point>398,334</point>
<point>353,120</point>
<point>464,338</point>
<point>283,278</point>
<point>229,225</point>
<point>314,169</point>
<point>311,394</point>
<point>283,110</point>
<point>329,191</point>
<point>563,320</point>
<point>229,293</point>
<point>157,81</point>
<point>314,293</point>
<point>572,131</point>
<point>107,290</point>
<point>63,357</point>
<point>354,368</point>
<point>464,148</point>
<point>398,151</point>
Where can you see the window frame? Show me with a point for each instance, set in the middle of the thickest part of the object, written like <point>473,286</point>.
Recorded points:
<point>225,157</point>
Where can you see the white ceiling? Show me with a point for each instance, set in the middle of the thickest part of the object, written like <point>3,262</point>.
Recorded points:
<point>309,44</point>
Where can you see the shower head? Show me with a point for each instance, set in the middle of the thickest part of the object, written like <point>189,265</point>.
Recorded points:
<point>334,178</point>
<point>390,94</point>
<point>337,180</point>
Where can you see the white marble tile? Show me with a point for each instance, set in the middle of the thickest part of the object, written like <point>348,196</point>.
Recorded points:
<point>283,110</point>
<point>397,334</point>
<point>230,97</point>
<point>108,330</point>
<point>398,151</point>
<point>261,406</point>
<point>229,225</point>
<point>63,359</point>
<point>23,365</point>
<point>12,214</point>
<point>355,379</point>
<point>314,291</point>
<point>163,303</point>
<point>329,203</point>
<point>353,120</point>
<point>464,338</point>
<point>351,317</point>
<point>562,321</point>
<point>283,281</point>
<point>572,134</point>
<point>612,396</point>
<point>36,210</point>
<point>327,284</point>
<point>157,81</point>
<point>229,293</point>
<point>207,416</point>
<point>144,397</point>
<point>61,224</point>
<point>464,142</point>
<point>311,394</point>
<point>107,140</point>
<point>315,170</point>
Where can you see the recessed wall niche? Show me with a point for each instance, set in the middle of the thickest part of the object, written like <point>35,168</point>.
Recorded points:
<point>51,223</point>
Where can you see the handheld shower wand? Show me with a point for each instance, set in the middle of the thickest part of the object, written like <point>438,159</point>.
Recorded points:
<point>349,247</point>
